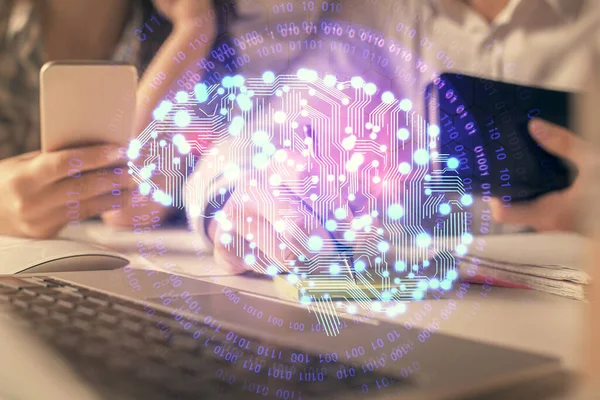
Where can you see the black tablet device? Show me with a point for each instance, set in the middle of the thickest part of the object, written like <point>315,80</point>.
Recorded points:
<point>484,135</point>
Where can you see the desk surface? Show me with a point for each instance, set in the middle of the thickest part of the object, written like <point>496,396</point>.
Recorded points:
<point>524,319</point>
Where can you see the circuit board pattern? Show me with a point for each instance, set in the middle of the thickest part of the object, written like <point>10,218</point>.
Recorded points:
<point>335,168</point>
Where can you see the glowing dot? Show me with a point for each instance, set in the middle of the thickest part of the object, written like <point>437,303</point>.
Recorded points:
<point>376,306</point>
<point>349,235</point>
<point>400,266</point>
<point>334,269</point>
<point>144,188</point>
<point>226,239</point>
<point>220,90</point>
<point>182,97</point>
<point>395,212</point>
<point>351,197</point>
<point>268,77</point>
<point>313,197</point>
<point>403,134</point>
<point>434,283</point>
<point>231,171</point>
<point>405,105</point>
<point>433,130</point>
<point>269,149</point>
<point>201,92</point>
<point>383,247</point>
<point>275,180</point>
<point>345,101</point>
<point>357,82</point>
<point>423,240</point>
<point>182,118</point>
<point>461,249</point>
<point>244,102</point>
<point>349,142</point>
<point>421,157</point>
<point>360,266</point>
<point>370,89</point>
<point>238,80</point>
<point>445,209</point>
<point>260,161</point>
<point>223,111</point>
<point>404,168</point>
<point>418,295</point>
<point>279,117</point>
<point>315,243</point>
<point>446,285</point>
<point>249,259</point>
<point>340,213</point>
<point>428,192</point>
<point>466,199</point>
<point>422,285</point>
<point>348,130</point>
<point>331,225</point>
<point>329,80</point>
<point>452,163</point>
<point>369,125</point>
<point>272,270</point>
<point>352,309</point>
<point>376,179</point>
<point>452,275</point>
<point>235,128</point>
<point>260,138</point>
<point>467,238</point>
<point>307,75</point>
<point>388,97</point>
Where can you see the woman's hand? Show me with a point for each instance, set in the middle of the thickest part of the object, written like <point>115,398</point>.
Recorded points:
<point>43,192</point>
<point>556,211</point>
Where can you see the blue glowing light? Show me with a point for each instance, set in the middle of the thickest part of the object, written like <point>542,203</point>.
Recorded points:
<point>433,130</point>
<point>466,199</point>
<point>340,213</point>
<point>238,80</point>
<point>395,212</point>
<point>418,295</point>
<point>272,270</point>
<point>446,285</point>
<point>144,188</point>
<point>400,266</point>
<point>404,168</point>
<point>331,225</point>
<point>182,97</point>
<point>388,97</point>
<point>249,259</point>
<point>452,163</point>
<point>201,92</point>
<point>423,240</point>
<point>334,269</point>
<point>357,82</point>
<point>268,77</point>
<point>385,274</point>
<point>405,105</point>
<point>359,266</point>
<point>236,126</point>
<point>445,208</point>
<point>421,157</point>
<point>403,134</point>
<point>349,235</point>
<point>370,89</point>
<point>452,275</point>
<point>315,243</point>
<point>182,118</point>
<point>260,161</point>
<point>467,238</point>
<point>260,138</point>
<point>226,238</point>
<point>383,247</point>
<point>397,281</point>
<point>461,249</point>
<point>227,82</point>
<point>434,283</point>
<point>244,102</point>
<point>329,80</point>
<point>307,75</point>
<point>386,296</point>
<point>422,285</point>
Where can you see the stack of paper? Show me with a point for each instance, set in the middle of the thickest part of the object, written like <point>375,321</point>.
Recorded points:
<point>551,263</point>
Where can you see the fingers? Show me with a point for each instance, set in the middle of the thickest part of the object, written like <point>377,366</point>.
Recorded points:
<point>558,141</point>
<point>547,213</point>
<point>54,166</point>
<point>53,221</point>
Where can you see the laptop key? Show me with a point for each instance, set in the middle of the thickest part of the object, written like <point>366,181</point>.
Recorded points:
<point>18,283</point>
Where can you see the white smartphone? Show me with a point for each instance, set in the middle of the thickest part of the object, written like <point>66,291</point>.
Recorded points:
<point>85,103</point>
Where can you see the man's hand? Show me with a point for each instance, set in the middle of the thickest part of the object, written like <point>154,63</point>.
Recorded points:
<point>556,211</point>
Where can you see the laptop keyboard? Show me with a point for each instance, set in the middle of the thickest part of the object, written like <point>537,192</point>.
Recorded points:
<point>117,346</point>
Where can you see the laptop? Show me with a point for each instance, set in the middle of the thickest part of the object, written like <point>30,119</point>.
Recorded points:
<point>102,335</point>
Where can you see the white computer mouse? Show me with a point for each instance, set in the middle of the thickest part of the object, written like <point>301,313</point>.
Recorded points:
<point>57,255</point>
